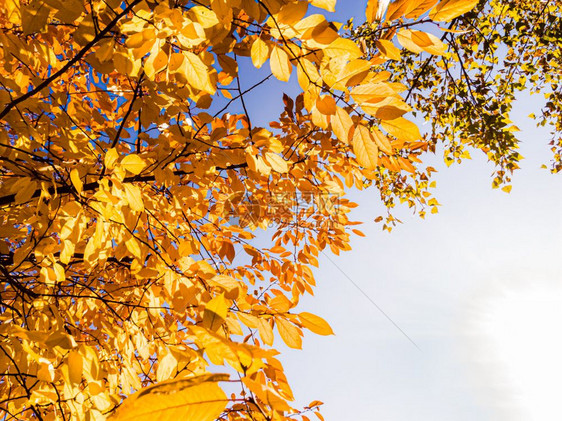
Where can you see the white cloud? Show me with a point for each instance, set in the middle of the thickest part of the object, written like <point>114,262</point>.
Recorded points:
<point>518,352</point>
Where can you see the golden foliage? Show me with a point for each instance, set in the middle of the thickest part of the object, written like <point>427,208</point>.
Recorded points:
<point>134,177</point>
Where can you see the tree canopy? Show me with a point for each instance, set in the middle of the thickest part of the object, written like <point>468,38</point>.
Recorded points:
<point>499,48</point>
<point>133,180</point>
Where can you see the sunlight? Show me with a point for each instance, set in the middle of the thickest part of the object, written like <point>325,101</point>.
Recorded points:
<point>523,330</point>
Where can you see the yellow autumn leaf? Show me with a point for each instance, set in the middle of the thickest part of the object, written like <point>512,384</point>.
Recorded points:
<point>421,7</point>
<point>428,42</point>
<point>315,324</point>
<point>388,49</point>
<point>258,164</point>
<point>290,334</point>
<point>175,62</point>
<point>364,146</point>
<point>389,109</point>
<point>76,182</point>
<point>371,10</point>
<point>28,192</point>
<point>110,158</point>
<point>447,10</point>
<point>133,163</point>
<point>248,319</point>
<point>259,52</point>
<point>276,162</point>
<point>12,11</point>
<point>292,12</point>
<point>195,398</point>
<point>166,367</point>
<point>307,74</point>
<point>406,165</point>
<point>157,62</point>
<point>196,73</point>
<point>371,92</point>
<point>404,37</point>
<point>326,104</point>
<point>280,64</point>
<point>228,283</point>
<point>133,246</point>
<point>60,339</point>
<point>265,331</point>
<point>311,27</point>
<point>341,124</point>
<point>133,196</point>
<point>204,16</point>
<point>402,129</point>
<point>59,272</point>
<point>343,47</point>
<point>215,312</point>
<point>329,5</point>
<point>399,8</point>
<point>267,394</point>
<point>75,366</point>
<point>231,287</point>
<point>135,40</point>
<point>382,142</point>
<point>318,119</point>
<point>354,72</point>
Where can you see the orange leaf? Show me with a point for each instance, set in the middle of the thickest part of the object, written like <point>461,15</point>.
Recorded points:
<point>447,10</point>
<point>290,334</point>
<point>326,104</point>
<point>315,324</point>
<point>365,149</point>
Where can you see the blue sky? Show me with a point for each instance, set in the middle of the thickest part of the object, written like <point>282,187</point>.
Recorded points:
<point>477,287</point>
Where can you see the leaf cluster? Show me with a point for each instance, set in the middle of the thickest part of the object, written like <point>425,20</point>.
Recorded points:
<point>498,49</point>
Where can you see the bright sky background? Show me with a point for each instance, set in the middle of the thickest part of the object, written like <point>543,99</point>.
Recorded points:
<point>477,287</point>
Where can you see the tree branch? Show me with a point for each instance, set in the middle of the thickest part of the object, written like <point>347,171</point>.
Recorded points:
<point>66,189</point>
<point>70,63</point>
